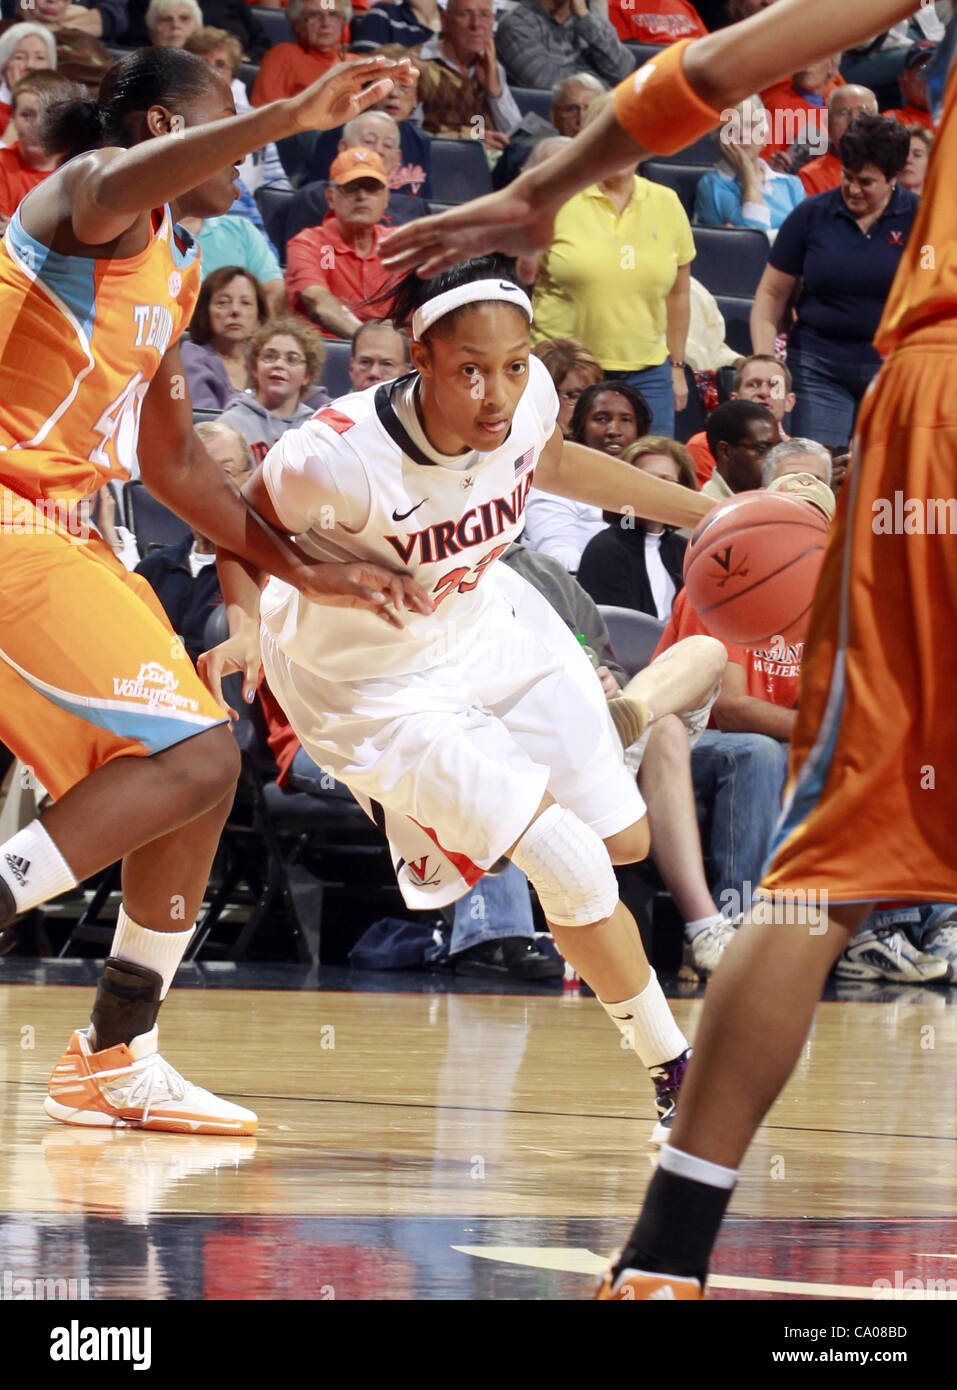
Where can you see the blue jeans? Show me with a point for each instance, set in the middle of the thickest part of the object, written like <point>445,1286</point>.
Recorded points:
<point>498,906</point>
<point>654,383</point>
<point>828,395</point>
<point>918,920</point>
<point>738,780</point>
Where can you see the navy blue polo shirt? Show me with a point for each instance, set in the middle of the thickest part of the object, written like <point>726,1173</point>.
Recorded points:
<point>847,273</point>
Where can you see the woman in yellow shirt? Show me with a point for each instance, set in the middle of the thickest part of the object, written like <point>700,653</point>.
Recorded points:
<point>617,277</point>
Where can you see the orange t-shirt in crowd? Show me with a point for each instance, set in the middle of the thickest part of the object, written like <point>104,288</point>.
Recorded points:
<point>656,21</point>
<point>288,69</point>
<point>911,115</point>
<point>803,125</point>
<point>772,674</point>
<point>353,279</point>
<point>821,174</point>
<point>700,451</point>
<point>17,177</point>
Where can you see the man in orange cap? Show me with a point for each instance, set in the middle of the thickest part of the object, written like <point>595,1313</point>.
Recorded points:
<point>334,270</point>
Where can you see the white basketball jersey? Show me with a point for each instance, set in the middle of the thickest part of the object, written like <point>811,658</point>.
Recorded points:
<point>443,527</point>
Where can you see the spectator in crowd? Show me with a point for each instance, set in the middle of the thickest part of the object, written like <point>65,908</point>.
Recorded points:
<point>376,130</point>
<point>915,170</point>
<point>740,434</point>
<point>705,349</point>
<point>798,456</point>
<point>27,161</point>
<point>572,369</point>
<point>616,277</point>
<point>402,104</point>
<point>171,22</point>
<point>380,351</point>
<point>230,307</point>
<point>541,41</point>
<point>913,85</point>
<point>99,19</point>
<point>236,16</point>
<point>183,576</point>
<point>234,241</point>
<point>608,417</point>
<point>656,21</point>
<point>743,190</point>
<point>78,31</point>
<point>845,246</point>
<point>635,563</point>
<point>288,68</point>
<point>844,105</point>
<point>796,112</point>
<point>333,271</point>
<point>224,54</point>
<point>23,48</point>
<point>760,378</point>
<point>285,358</point>
<point>463,87</point>
<point>571,98</point>
<point>409,23</point>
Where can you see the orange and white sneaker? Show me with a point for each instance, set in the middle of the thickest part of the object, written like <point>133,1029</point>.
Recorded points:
<point>635,1285</point>
<point>130,1086</point>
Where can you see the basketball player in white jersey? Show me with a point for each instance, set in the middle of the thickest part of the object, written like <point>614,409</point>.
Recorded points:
<point>478,731</point>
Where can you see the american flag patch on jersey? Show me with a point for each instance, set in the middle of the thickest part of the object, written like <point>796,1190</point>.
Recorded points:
<point>522,463</point>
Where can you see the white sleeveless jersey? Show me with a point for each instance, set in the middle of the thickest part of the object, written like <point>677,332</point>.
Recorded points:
<point>443,527</point>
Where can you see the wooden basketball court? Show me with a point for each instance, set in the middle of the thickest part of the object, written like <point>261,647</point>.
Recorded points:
<point>450,1145</point>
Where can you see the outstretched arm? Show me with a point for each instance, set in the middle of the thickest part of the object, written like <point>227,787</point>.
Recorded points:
<point>112,187</point>
<point>719,70</point>
<point>572,470</point>
<point>178,471</point>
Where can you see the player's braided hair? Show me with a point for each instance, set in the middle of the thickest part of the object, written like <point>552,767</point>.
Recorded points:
<point>147,77</point>
<point>401,300</point>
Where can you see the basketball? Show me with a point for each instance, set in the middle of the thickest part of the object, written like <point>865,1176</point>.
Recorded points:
<point>752,565</point>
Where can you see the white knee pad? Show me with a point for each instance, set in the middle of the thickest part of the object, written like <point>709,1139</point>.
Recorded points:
<point>570,868</point>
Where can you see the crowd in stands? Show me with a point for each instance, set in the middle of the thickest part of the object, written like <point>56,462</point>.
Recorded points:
<point>813,184</point>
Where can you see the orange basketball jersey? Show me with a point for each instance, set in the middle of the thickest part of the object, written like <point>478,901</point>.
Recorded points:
<point>80,341</point>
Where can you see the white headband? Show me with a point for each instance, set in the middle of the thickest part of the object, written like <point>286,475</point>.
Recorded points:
<point>474,293</point>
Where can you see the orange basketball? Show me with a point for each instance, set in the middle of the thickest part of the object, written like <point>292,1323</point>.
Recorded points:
<point>752,565</point>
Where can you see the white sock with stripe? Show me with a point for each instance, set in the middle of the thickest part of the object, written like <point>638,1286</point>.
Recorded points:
<point>32,867</point>
<point>161,951</point>
<point>647,1024</point>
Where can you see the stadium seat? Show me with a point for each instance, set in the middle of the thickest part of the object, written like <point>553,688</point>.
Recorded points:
<point>248,72</point>
<point>295,154</point>
<point>634,635</point>
<point>335,372</point>
<point>459,170</point>
<point>692,419</point>
<point>274,205</point>
<point>704,152</point>
<point>441,207</point>
<point>153,525</point>
<point>642,51</point>
<point>275,24</point>
<point>736,311</point>
<point>683,178</point>
<point>880,71</point>
<point>729,260</point>
<point>532,99</point>
<point>201,414</point>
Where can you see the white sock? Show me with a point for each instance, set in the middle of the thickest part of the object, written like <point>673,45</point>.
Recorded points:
<point>698,1169</point>
<point>161,951</point>
<point>647,1025</point>
<point>700,924</point>
<point>33,868</point>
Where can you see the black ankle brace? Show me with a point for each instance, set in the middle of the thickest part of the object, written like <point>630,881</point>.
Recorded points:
<point>127,1003</point>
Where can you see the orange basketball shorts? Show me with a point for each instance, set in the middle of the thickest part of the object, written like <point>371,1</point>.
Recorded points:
<point>90,669</point>
<point>871,802</point>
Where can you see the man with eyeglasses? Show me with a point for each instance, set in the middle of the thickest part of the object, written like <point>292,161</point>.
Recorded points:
<point>463,87</point>
<point>288,68</point>
<point>844,105</point>
<point>333,271</point>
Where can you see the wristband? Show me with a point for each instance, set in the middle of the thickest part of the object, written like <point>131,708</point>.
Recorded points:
<point>658,108</point>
